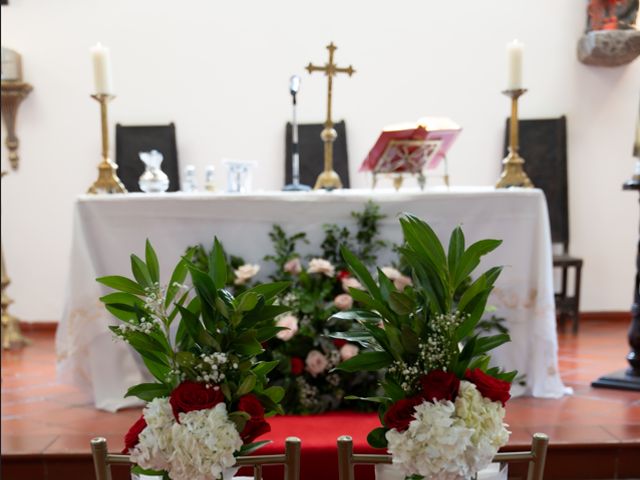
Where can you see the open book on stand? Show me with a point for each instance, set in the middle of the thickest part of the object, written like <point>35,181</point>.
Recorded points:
<point>412,147</point>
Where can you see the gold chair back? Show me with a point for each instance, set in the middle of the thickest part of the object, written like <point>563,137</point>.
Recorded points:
<point>536,457</point>
<point>102,460</point>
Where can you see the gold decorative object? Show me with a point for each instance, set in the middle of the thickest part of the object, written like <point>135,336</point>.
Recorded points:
<point>108,181</point>
<point>329,179</point>
<point>13,92</point>
<point>11,334</point>
<point>513,174</point>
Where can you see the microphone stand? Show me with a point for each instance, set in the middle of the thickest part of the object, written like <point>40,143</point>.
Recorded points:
<point>295,185</point>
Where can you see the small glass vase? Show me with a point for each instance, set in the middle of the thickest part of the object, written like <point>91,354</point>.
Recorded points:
<point>153,179</point>
<point>238,176</point>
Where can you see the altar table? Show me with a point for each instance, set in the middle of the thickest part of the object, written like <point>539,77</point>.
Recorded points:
<point>108,228</point>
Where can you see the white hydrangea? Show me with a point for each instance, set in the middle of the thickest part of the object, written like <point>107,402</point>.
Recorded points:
<point>155,442</point>
<point>200,447</point>
<point>450,441</point>
<point>434,444</point>
<point>485,417</point>
<point>203,444</point>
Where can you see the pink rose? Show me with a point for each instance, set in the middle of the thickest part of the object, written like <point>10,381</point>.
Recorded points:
<point>401,282</point>
<point>293,266</point>
<point>348,350</point>
<point>316,363</point>
<point>351,282</point>
<point>288,321</point>
<point>343,301</point>
<point>322,266</point>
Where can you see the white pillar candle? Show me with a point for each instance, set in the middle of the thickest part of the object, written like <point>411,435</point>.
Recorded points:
<point>514,62</point>
<point>102,69</point>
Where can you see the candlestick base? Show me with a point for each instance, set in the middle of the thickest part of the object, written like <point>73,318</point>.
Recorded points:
<point>513,174</point>
<point>296,187</point>
<point>329,180</point>
<point>108,181</point>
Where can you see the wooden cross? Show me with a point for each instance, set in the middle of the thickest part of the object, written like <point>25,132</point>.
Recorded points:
<point>330,70</point>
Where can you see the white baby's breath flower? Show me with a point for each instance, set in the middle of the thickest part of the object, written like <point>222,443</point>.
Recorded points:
<point>245,272</point>
<point>320,265</point>
<point>291,323</point>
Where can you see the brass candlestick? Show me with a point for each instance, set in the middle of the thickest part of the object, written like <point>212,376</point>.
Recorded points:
<point>13,92</point>
<point>513,174</point>
<point>329,179</point>
<point>11,334</point>
<point>108,181</point>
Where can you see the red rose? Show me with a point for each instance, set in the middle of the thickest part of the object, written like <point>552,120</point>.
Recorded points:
<point>339,342</point>
<point>439,385</point>
<point>131,438</point>
<point>256,425</point>
<point>400,414</point>
<point>342,274</point>
<point>490,387</point>
<point>297,365</point>
<point>189,396</point>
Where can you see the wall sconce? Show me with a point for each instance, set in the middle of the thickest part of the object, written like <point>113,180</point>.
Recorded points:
<point>14,90</point>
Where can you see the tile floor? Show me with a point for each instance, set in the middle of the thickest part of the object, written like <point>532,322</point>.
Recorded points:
<point>40,416</point>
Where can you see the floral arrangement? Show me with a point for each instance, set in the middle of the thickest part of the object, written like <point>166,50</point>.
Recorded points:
<point>320,284</point>
<point>442,409</point>
<point>303,350</point>
<point>210,398</point>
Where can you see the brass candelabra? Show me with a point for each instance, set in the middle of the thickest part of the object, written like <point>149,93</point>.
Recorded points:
<point>513,174</point>
<point>11,334</point>
<point>108,181</point>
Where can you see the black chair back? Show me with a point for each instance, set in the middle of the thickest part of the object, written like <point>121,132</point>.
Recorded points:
<point>543,145</point>
<point>131,140</point>
<point>311,150</point>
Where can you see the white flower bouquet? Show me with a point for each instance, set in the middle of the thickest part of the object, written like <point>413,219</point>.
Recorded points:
<point>210,398</point>
<point>442,410</point>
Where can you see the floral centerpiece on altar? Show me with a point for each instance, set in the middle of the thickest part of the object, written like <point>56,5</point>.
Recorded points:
<point>304,353</point>
<point>320,284</point>
<point>442,409</point>
<point>210,399</point>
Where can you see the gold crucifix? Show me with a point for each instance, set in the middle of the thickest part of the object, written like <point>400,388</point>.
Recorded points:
<point>329,179</point>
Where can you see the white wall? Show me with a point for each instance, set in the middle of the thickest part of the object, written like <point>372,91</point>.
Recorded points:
<point>220,71</point>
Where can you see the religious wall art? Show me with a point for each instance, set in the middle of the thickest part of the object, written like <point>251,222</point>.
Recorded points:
<point>612,37</point>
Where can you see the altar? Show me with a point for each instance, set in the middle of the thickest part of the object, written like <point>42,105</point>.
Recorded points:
<point>108,228</point>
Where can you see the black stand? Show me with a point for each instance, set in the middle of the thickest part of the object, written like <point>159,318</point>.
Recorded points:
<point>295,185</point>
<point>629,379</point>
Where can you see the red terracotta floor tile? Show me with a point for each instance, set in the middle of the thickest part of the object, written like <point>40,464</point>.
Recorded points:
<point>625,433</point>
<point>572,434</point>
<point>25,443</point>
<point>79,443</point>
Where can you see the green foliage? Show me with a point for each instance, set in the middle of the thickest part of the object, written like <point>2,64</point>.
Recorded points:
<point>443,307</point>
<point>210,321</point>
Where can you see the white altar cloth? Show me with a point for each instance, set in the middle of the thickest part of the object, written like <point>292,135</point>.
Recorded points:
<point>108,228</point>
